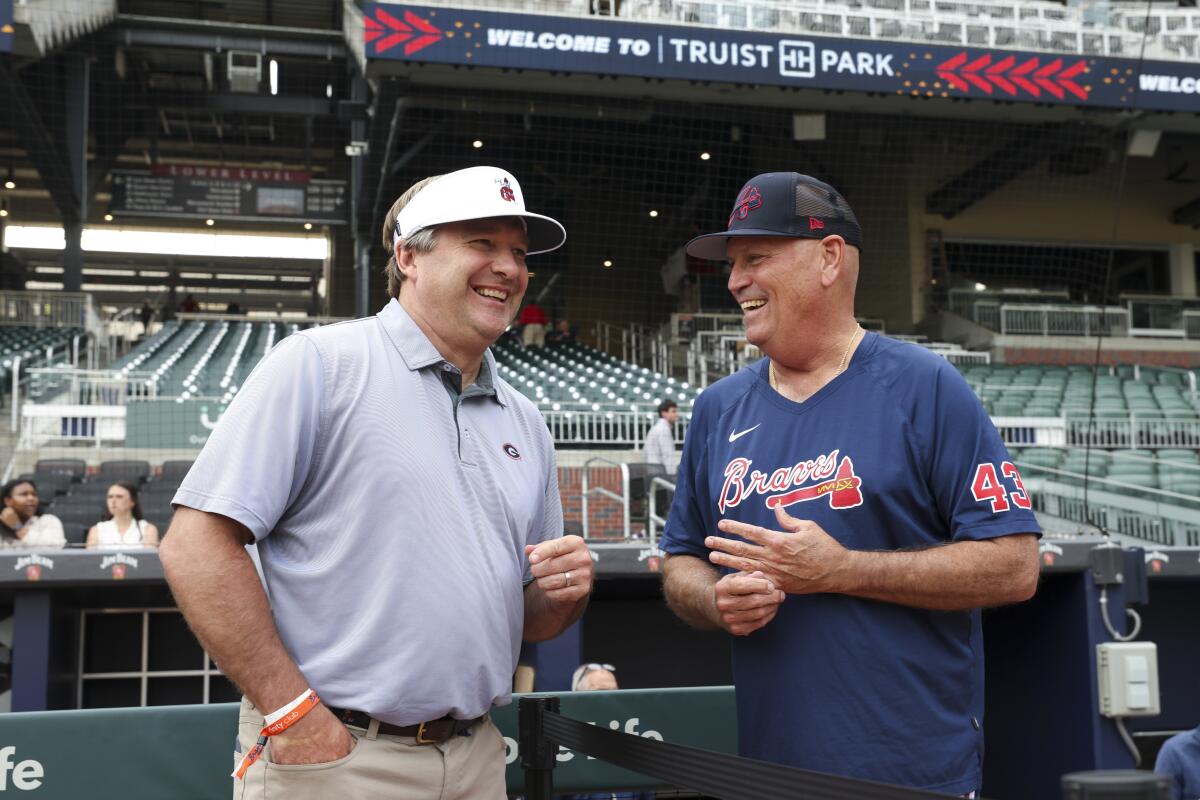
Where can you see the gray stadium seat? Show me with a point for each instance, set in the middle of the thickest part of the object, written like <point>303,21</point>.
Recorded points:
<point>75,467</point>
<point>124,470</point>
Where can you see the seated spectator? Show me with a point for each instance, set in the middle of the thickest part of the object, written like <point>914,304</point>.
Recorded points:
<point>20,524</point>
<point>1180,759</point>
<point>591,678</point>
<point>563,333</point>
<point>124,525</point>
<point>594,677</point>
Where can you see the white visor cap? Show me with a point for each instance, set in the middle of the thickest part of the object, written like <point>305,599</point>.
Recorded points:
<point>477,193</point>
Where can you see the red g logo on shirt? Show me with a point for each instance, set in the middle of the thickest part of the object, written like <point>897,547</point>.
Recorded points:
<point>986,487</point>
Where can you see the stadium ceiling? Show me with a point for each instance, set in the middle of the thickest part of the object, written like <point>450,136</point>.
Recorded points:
<point>161,93</point>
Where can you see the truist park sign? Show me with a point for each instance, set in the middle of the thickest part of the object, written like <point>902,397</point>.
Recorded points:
<point>421,34</point>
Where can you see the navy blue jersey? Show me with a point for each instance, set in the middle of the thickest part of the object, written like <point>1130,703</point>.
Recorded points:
<point>896,452</point>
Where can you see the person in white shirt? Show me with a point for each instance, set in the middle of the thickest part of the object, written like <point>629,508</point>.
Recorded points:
<point>20,524</point>
<point>660,441</point>
<point>124,526</point>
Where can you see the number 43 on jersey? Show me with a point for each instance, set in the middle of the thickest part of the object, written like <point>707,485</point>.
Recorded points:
<point>987,487</point>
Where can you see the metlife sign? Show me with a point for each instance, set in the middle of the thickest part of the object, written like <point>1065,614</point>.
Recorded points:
<point>420,34</point>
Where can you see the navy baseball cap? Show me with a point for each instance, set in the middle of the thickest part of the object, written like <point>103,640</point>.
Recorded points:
<point>782,204</point>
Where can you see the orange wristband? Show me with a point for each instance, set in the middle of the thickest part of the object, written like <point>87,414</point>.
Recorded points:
<point>276,723</point>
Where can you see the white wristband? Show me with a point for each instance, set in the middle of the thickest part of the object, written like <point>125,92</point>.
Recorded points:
<point>275,716</point>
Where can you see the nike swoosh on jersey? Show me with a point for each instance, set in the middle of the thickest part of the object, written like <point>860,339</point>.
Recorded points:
<point>733,437</point>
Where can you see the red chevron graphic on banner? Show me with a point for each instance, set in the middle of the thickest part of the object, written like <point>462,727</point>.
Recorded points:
<point>1028,77</point>
<point>397,32</point>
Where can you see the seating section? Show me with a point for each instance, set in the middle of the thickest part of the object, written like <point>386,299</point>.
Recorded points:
<point>203,359</point>
<point>78,497</point>
<point>1050,391</point>
<point>36,347</point>
<point>578,378</point>
<point>1123,471</point>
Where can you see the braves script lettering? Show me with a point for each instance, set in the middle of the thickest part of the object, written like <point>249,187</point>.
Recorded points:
<point>779,485</point>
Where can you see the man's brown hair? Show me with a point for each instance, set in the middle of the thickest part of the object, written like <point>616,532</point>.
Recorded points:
<point>422,241</point>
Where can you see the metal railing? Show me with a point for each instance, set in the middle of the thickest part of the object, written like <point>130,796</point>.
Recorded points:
<point>1120,432</point>
<point>641,345</point>
<point>654,520</point>
<point>92,387</point>
<point>968,302</point>
<point>588,490</point>
<point>1064,320</point>
<point>1191,324</point>
<point>47,309</point>
<point>1160,517</point>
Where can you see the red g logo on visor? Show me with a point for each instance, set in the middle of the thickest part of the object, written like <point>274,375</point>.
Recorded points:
<point>747,201</point>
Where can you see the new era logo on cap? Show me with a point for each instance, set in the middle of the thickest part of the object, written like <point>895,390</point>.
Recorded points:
<point>782,204</point>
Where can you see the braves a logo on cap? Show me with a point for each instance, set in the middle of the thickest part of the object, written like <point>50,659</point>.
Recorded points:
<point>834,478</point>
<point>815,224</point>
<point>506,191</point>
<point>749,200</point>
<point>511,451</point>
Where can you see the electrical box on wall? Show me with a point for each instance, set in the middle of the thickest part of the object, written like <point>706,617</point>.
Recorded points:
<point>1128,678</point>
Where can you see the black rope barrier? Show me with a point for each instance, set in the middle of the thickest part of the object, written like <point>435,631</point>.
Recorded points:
<point>717,774</point>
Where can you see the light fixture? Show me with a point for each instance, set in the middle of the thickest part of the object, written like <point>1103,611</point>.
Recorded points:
<point>478,143</point>
<point>981,287</point>
<point>209,222</point>
<point>608,262</point>
<point>3,211</point>
<point>10,182</point>
<point>653,212</point>
<point>705,156</point>
<point>108,217</point>
<point>308,226</point>
<point>274,75</point>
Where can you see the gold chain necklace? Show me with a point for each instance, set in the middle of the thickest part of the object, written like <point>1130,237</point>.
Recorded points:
<point>774,379</point>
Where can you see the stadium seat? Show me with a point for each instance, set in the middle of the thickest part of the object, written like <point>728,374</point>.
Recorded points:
<point>49,484</point>
<point>74,467</point>
<point>174,470</point>
<point>123,470</point>
<point>76,520</point>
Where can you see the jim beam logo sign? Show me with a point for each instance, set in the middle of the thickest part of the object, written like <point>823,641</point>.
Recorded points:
<point>653,558</point>
<point>32,565</point>
<point>1156,559</point>
<point>1050,553</point>
<point>118,563</point>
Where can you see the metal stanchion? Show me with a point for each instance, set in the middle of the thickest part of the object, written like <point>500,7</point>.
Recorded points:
<point>537,753</point>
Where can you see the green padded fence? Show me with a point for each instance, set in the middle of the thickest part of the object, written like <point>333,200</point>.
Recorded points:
<point>187,751</point>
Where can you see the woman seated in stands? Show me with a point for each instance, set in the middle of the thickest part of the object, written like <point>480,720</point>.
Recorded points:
<point>20,523</point>
<point>123,526</point>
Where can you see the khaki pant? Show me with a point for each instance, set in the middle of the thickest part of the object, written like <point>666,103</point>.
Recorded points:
<point>461,768</point>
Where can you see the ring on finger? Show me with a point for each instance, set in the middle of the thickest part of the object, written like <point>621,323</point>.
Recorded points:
<point>568,577</point>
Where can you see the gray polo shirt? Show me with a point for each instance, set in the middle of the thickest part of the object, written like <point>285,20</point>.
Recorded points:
<point>391,514</point>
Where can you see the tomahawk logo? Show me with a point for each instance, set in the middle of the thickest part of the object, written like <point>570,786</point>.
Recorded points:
<point>747,201</point>
<point>835,480</point>
<point>26,775</point>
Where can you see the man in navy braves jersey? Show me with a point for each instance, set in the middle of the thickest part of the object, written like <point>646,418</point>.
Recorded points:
<point>844,508</point>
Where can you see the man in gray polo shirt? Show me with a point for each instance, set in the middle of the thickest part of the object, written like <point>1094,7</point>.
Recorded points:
<point>404,501</point>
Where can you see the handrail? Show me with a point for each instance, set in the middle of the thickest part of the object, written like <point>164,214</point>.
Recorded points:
<point>622,498</point>
<point>653,520</point>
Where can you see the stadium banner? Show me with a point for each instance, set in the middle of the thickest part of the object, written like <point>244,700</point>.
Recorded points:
<point>242,193</point>
<point>171,423</point>
<point>187,751</point>
<point>420,34</point>
<point>74,567</point>
<point>6,26</point>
